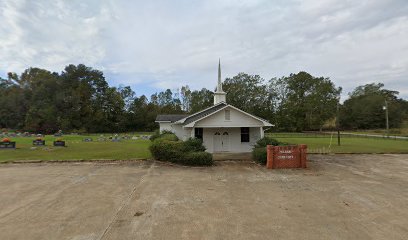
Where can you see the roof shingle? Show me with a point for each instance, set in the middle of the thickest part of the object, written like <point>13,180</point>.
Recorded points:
<point>170,117</point>
<point>204,113</point>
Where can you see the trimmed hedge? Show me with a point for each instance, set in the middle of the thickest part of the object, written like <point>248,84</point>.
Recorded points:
<point>259,152</point>
<point>167,147</point>
<point>166,150</point>
<point>193,145</point>
<point>197,159</point>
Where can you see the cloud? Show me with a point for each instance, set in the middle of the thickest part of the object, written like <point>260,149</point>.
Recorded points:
<point>51,34</point>
<point>165,44</point>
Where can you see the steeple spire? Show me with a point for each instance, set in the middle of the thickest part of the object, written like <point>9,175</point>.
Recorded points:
<point>219,95</point>
<point>219,87</point>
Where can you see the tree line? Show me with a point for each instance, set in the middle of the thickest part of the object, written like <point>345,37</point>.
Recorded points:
<point>79,99</point>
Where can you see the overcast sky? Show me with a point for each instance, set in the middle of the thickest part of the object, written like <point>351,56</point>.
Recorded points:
<point>153,45</point>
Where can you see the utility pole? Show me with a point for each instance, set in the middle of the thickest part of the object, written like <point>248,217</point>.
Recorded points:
<point>386,118</point>
<point>337,121</point>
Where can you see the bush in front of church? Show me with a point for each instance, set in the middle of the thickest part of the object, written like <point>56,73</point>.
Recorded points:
<point>193,145</point>
<point>191,152</point>
<point>166,150</point>
<point>197,159</point>
<point>259,150</point>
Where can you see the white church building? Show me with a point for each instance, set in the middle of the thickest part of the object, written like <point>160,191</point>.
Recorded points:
<point>222,127</point>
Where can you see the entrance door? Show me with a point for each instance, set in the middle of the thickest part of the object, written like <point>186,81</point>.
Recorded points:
<point>217,142</point>
<point>225,142</point>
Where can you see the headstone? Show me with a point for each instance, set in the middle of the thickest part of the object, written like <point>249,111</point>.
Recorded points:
<point>39,142</point>
<point>7,145</point>
<point>116,139</point>
<point>59,143</point>
<point>127,137</point>
<point>145,137</point>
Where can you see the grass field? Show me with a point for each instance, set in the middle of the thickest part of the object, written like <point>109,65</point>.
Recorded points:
<point>328,144</point>
<point>77,149</point>
<point>138,149</point>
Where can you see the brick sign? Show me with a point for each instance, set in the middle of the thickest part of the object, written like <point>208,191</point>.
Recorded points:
<point>286,156</point>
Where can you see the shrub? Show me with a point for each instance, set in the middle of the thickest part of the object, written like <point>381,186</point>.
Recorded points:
<point>166,150</point>
<point>191,152</point>
<point>259,155</point>
<point>155,135</point>
<point>267,141</point>
<point>259,151</point>
<point>194,145</point>
<point>197,159</point>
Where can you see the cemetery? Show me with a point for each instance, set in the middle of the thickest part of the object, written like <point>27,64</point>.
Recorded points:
<point>65,147</point>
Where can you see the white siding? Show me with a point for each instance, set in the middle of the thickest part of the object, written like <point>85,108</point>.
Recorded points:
<point>234,143</point>
<point>182,133</point>
<point>165,126</point>
<point>237,119</point>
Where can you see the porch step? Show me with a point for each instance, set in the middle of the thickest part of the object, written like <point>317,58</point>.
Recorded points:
<point>232,156</point>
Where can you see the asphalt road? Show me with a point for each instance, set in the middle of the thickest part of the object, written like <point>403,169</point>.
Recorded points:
<point>337,197</point>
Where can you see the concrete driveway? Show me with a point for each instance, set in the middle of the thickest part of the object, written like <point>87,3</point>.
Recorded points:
<point>337,197</point>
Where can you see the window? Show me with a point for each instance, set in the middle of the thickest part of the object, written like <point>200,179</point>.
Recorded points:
<point>227,115</point>
<point>198,133</point>
<point>244,134</point>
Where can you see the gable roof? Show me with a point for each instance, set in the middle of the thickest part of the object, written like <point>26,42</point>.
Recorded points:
<point>214,109</point>
<point>198,115</point>
<point>170,117</point>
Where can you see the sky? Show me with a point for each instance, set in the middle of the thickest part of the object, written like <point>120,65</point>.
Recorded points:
<point>159,44</point>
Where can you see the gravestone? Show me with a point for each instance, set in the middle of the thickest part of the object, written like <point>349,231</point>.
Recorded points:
<point>145,137</point>
<point>39,142</point>
<point>6,144</point>
<point>116,138</point>
<point>59,143</point>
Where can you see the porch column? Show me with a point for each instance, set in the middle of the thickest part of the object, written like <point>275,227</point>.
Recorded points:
<point>192,134</point>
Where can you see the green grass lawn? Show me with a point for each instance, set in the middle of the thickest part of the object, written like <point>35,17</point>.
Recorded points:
<point>138,149</point>
<point>77,149</point>
<point>321,144</point>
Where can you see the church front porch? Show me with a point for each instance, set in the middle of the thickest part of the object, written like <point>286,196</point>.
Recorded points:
<point>230,140</point>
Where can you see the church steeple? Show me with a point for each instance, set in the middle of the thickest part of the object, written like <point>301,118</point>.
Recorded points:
<point>219,95</point>
<point>219,87</point>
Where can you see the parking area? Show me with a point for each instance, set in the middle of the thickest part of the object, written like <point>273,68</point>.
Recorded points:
<point>337,197</point>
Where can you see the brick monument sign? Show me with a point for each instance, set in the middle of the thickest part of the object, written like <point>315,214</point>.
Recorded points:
<point>286,156</point>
